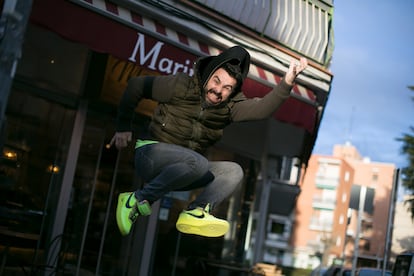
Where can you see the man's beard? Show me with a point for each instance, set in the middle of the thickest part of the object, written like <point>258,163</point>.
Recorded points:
<point>218,95</point>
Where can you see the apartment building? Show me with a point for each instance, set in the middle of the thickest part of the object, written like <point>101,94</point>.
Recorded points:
<point>326,224</point>
<point>403,234</point>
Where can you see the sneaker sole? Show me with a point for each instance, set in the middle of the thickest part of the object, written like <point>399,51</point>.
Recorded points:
<point>206,230</point>
<point>121,220</point>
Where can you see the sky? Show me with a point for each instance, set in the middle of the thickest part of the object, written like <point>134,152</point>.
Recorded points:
<point>370,103</point>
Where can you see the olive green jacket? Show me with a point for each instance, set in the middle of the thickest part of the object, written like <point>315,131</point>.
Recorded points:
<point>182,116</point>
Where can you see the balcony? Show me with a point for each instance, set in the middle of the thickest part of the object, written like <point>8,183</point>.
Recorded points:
<point>323,182</point>
<point>276,244</point>
<point>317,224</point>
<point>304,26</point>
<point>322,203</point>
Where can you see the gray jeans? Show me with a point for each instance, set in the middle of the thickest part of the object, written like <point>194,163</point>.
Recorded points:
<point>167,167</point>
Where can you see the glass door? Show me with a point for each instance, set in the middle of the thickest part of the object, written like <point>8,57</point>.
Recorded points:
<point>92,242</point>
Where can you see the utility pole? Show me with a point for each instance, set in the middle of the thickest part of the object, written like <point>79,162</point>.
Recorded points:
<point>390,224</point>
<point>13,20</point>
<point>358,231</point>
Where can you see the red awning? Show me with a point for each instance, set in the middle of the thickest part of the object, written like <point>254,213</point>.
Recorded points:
<point>108,28</point>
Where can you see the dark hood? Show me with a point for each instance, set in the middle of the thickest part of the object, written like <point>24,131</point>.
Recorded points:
<point>235,55</point>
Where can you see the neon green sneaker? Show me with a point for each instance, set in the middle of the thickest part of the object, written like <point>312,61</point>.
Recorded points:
<point>128,210</point>
<point>199,222</point>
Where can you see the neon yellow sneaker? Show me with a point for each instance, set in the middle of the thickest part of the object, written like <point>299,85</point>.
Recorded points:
<point>199,222</point>
<point>128,210</point>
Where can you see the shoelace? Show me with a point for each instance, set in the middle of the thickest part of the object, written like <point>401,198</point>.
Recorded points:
<point>207,208</point>
<point>134,213</point>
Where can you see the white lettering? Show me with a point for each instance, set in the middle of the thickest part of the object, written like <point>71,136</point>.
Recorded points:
<point>142,57</point>
<point>164,65</point>
<point>185,70</point>
<point>177,67</point>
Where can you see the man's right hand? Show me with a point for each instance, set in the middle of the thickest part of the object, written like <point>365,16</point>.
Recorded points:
<point>121,139</point>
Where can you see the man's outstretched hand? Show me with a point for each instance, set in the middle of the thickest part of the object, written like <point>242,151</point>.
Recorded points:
<point>121,139</point>
<point>295,68</point>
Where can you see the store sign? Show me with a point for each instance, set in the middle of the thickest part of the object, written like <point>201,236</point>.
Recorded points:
<point>154,61</point>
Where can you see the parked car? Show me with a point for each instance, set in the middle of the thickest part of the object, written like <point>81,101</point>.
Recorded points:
<point>404,264</point>
<point>368,271</point>
<point>319,271</point>
<point>338,270</point>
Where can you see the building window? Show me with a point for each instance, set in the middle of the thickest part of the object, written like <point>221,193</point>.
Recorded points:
<point>278,228</point>
<point>375,173</point>
<point>344,197</point>
<point>346,177</point>
<point>321,220</point>
<point>338,241</point>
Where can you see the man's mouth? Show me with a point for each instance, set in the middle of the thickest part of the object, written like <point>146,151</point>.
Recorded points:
<point>217,96</point>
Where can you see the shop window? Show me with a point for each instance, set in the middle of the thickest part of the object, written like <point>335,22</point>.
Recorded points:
<point>35,141</point>
<point>50,62</point>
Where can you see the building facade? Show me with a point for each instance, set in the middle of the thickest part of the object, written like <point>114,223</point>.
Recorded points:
<point>59,177</point>
<point>402,236</point>
<point>327,224</point>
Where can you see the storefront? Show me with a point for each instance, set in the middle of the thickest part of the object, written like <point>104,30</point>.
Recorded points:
<point>77,58</point>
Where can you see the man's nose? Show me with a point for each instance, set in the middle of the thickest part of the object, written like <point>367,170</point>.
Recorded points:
<point>217,92</point>
<point>219,89</point>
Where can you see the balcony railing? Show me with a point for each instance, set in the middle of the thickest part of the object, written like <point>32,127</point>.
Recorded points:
<point>320,225</point>
<point>323,203</point>
<point>326,182</point>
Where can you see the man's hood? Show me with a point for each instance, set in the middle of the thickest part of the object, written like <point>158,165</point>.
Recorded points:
<point>235,55</point>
